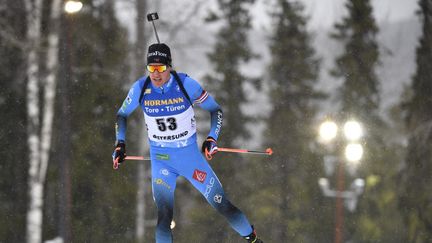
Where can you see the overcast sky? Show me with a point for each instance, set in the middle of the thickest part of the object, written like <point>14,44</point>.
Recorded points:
<point>324,13</point>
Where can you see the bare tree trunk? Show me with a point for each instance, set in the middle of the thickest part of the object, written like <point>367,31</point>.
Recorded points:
<point>34,213</point>
<point>50,86</point>
<point>39,135</point>
<point>141,6</point>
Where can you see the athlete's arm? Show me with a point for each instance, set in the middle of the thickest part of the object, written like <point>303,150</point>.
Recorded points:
<point>129,105</point>
<point>201,97</point>
<point>216,116</point>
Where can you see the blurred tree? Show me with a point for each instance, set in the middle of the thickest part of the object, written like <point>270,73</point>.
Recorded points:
<point>143,195</point>
<point>231,52</point>
<point>377,218</point>
<point>359,93</point>
<point>40,113</point>
<point>36,177</point>
<point>102,202</point>
<point>416,180</point>
<point>13,131</point>
<point>288,201</point>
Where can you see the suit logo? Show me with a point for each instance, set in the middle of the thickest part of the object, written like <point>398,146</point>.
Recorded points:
<point>164,172</point>
<point>218,198</point>
<point>199,175</point>
<point>161,182</point>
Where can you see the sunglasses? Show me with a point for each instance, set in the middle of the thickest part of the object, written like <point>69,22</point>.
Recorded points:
<point>159,68</point>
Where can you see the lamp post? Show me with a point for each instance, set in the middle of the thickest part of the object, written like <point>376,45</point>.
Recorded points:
<point>352,131</point>
<point>72,7</point>
<point>65,146</point>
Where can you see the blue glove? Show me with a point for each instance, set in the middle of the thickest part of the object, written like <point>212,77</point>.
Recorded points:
<point>209,147</point>
<point>119,154</point>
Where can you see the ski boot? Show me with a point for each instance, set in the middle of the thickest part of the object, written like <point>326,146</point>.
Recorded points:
<point>252,238</point>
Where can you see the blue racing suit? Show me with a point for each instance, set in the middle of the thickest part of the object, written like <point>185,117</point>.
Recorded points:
<point>174,152</point>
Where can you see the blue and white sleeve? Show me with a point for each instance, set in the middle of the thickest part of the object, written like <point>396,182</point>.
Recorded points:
<point>202,98</point>
<point>129,105</point>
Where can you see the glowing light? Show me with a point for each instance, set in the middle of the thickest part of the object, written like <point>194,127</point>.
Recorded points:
<point>354,152</point>
<point>360,183</point>
<point>323,182</point>
<point>328,131</point>
<point>353,130</point>
<point>72,7</point>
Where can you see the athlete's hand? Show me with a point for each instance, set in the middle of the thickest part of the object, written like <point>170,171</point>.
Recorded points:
<point>209,147</point>
<point>119,154</point>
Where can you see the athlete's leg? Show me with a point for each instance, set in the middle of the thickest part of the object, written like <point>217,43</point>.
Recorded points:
<point>203,178</point>
<point>212,190</point>
<point>163,186</point>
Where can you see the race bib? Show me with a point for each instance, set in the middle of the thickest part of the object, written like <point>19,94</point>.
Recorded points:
<point>171,128</point>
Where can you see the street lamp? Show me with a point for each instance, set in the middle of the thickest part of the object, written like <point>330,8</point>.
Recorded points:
<point>72,7</point>
<point>328,131</point>
<point>354,152</point>
<point>65,146</point>
<point>353,132</point>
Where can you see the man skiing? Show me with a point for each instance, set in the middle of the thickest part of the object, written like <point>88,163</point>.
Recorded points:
<point>167,99</point>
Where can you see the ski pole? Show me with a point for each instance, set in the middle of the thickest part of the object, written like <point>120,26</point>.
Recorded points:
<point>268,151</point>
<point>151,17</point>
<point>136,158</point>
<point>116,161</point>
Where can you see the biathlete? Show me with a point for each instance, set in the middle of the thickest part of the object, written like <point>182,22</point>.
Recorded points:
<point>167,99</point>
